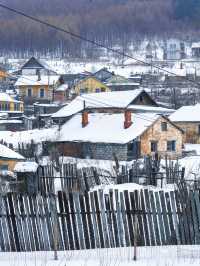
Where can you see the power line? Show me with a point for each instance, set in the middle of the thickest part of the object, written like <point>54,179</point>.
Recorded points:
<point>75,35</point>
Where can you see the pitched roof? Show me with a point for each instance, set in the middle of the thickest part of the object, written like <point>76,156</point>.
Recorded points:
<point>117,99</point>
<point>189,113</point>
<point>4,97</point>
<point>7,153</point>
<point>112,125</point>
<point>33,63</point>
<point>32,80</point>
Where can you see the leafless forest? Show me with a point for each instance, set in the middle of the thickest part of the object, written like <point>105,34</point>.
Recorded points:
<point>110,22</point>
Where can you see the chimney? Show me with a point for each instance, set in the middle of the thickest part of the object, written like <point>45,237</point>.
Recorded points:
<point>127,119</point>
<point>84,118</point>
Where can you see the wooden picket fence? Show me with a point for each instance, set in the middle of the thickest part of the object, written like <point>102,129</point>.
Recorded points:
<point>70,178</point>
<point>97,220</point>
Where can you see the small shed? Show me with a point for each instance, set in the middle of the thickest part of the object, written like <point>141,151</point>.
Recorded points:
<point>27,176</point>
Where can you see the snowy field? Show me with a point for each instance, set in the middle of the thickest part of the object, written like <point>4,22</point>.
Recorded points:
<point>147,256</point>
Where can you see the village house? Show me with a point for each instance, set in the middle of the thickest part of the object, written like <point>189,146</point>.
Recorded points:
<point>10,106</point>
<point>139,101</point>
<point>103,74</point>
<point>188,119</point>
<point>90,85</point>
<point>9,158</point>
<point>125,135</point>
<point>174,50</point>
<point>195,49</point>
<point>36,82</point>
<point>119,83</point>
<point>3,74</point>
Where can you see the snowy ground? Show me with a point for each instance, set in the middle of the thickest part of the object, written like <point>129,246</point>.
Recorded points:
<point>147,256</point>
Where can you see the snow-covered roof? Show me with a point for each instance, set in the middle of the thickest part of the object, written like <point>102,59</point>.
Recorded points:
<point>189,113</point>
<point>117,99</point>
<point>4,97</point>
<point>10,121</point>
<point>26,137</point>
<point>7,153</point>
<point>151,109</point>
<point>63,87</point>
<point>26,167</point>
<point>105,128</point>
<point>196,45</point>
<point>32,80</point>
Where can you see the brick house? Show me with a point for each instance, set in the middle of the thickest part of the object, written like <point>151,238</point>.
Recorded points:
<point>127,135</point>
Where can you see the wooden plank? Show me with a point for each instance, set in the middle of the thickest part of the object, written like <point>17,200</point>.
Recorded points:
<point>145,221</point>
<point>98,214</point>
<point>165,218</point>
<point>94,218</point>
<point>79,224</point>
<point>73,215</point>
<point>119,220</point>
<point>173,240</point>
<point>63,220</point>
<point>84,221</point>
<point>20,231</point>
<point>114,219</point>
<point>180,218</point>
<point>140,237</point>
<point>69,225</point>
<point>155,221</point>
<point>48,221</point>
<point>160,220</point>
<point>89,220</point>
<point>149,216</point>
<point>175,217</point>
<point>103,216</point>
<point>183,202</point>
<point>109,221</point>
<point>129,216</point>
<point>124,218</point>
<point>34,225</point>
<point>43,218</point>
<point>2,230</point>
<point>10,218</point>
<point>194,218</point>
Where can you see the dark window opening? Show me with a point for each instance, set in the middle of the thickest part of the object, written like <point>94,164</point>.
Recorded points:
<point>164,126</point>
<point>171,145</point>
<point>154,146</point>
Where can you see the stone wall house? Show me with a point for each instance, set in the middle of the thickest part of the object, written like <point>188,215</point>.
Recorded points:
<point>188,119</point>
<point>125,135</point>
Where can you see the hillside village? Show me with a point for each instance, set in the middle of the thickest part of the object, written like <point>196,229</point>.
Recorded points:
<point>100,159</point>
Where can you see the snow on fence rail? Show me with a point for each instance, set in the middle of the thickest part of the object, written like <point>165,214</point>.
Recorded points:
<point>99,220</point>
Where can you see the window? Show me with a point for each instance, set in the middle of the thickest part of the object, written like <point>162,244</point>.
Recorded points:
<point>4,167</point>
<point>199,129</point>
<point>171,145</point>
<point>42,93</point>
<point>164,126</point>
<point>82,91</point>
<point>154,146</point>
<point>29,94</point>
<point>103,89</point>
<point>98,90</point>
